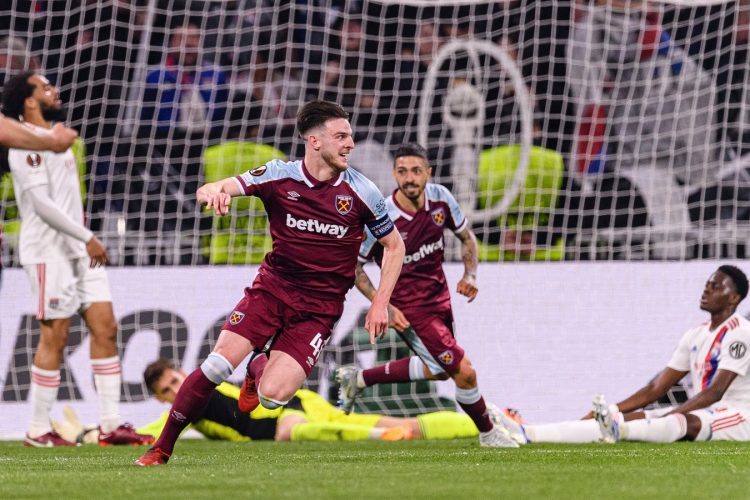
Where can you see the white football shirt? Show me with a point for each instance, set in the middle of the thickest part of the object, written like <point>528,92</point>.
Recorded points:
<point>58,171</point>
<point>704,352</point>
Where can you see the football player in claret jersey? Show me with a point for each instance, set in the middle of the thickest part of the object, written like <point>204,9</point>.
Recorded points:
<point>715,357</point>
<point>317,211</point>
<point>421,305</point>
<point>64,262</point>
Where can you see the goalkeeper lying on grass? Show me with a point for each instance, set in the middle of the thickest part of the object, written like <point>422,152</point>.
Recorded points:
<point>307,417</point>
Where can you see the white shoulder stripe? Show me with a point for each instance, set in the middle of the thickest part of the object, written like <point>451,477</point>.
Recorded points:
<point>366,191</point>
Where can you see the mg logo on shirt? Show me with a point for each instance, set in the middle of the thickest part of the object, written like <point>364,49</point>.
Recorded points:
<point>737,350</point>
<point>315,226</point>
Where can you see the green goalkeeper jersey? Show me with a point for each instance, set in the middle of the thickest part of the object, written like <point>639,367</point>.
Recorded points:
<point>222,419</point>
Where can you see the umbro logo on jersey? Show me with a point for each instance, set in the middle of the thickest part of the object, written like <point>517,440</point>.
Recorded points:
<point>315,226</point>
<point>34,160</point>
<point>292,195</point>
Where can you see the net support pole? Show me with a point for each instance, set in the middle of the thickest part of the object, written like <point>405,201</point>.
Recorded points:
<point>138,84</point>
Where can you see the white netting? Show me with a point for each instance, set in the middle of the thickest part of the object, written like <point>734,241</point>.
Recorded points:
<point>568,130</point>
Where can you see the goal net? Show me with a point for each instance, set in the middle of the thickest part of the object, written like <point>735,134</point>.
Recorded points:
<point>568,130</point>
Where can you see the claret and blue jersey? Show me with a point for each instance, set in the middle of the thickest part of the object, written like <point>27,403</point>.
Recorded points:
<point>422,279</point>
<point>316,226</point>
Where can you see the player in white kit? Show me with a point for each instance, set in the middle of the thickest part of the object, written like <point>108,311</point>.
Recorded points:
<point>715,357</point>
<point>64,262</point>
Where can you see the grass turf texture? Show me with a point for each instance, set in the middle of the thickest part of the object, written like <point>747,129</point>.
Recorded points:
<point>437,469</point>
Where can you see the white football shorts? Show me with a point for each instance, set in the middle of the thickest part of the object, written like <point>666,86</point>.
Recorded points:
<point>720,422</point>
<point>64,288</point>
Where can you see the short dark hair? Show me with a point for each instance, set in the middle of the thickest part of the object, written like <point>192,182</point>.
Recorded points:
<point>155,370</point>
<point>410,149</point>
<point>738,278</point>
<point>15,91</point>
<point>316,113</point>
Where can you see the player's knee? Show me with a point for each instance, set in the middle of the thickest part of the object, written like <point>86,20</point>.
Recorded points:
<point>465,377</point>
<point>418,370</point>
<point>216,368</point>
<point>55,342</point>
<point>106,332</point>
<point>694,428</point>
<point>271,399</point>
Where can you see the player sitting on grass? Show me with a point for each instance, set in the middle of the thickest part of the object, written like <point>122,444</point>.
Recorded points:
<point>308,417</point>
<point>715,356</point>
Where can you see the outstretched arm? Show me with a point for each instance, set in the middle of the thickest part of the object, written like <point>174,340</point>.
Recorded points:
<point>14,134</point>
<point>396,318</point>
<point>650,392</point>
<point>710,394</point>
<point>218,195</point>
<point>470,255</point>
<point>376,321</point>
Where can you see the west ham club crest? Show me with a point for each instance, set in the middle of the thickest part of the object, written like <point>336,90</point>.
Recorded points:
<point>438,216</point>
<point>236,317</point>
<point>343,203</point>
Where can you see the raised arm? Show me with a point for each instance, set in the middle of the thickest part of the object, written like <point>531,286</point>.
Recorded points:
<point>14,134</point>
<point>218,195</point>
<point>376,321</point>
<point>470,255</point>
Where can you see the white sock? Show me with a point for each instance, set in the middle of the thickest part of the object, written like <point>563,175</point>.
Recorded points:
<point>43,394</point>
<point>108,379</point>
<point>360,380</point>
<point>655,430</point>
<point>575,431</point>
<point>416,368</point>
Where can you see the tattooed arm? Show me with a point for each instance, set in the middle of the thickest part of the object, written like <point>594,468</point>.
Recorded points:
<point>470,255</point>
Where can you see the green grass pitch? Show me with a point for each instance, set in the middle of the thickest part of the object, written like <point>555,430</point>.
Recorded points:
<point>404,470</point>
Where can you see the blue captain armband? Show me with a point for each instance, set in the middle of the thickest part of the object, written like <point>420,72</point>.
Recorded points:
<point>381,227</point>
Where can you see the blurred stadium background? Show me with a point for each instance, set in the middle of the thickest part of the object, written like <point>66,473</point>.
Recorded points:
<point>571,131</point>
